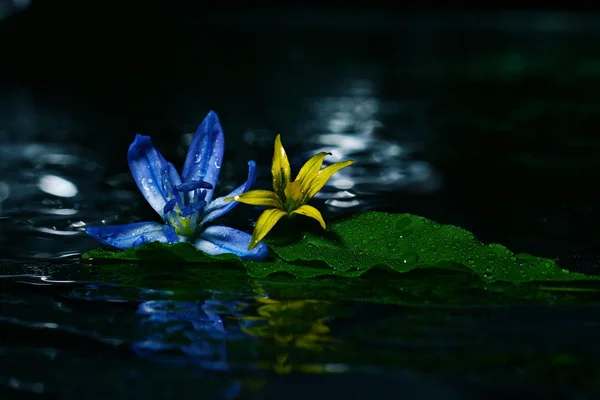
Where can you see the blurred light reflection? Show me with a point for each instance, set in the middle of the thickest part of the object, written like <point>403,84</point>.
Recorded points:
<point>57,186</point>
<point>348,129</point>
<point>54,231</point>
<point>4,192</point>
<point>58,211</point>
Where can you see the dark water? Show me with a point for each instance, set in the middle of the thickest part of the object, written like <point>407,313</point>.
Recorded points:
<point>486,121</point>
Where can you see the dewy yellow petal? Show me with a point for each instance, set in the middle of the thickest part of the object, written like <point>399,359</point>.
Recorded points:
<point>324,175</point>
<point>311,212</point>
<point>310,170</point>
<point>257,198</point>
<point>264,224</point>
<point>280,168</point>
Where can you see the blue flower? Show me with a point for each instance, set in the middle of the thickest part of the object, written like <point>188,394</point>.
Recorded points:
<point>184,202</point>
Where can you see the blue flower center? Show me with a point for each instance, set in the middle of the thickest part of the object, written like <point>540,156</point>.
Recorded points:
<point>182,212</point>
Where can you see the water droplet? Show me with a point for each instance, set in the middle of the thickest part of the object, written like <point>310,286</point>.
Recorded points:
<point>410,258</point>
<point>488,277</point>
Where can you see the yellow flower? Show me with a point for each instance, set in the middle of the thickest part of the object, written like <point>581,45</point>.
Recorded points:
<point>289,197</point>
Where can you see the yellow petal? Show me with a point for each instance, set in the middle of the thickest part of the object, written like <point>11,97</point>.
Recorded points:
<point>281,168</point>
<point>264,224</point>
<point>312,212</point>
<point>257,198</point>
<point>310,170</point>
<point>324,175</point>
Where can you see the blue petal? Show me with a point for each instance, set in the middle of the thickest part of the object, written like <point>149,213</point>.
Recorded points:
<point>153,175</point>
<point>203,161</point>
<point>170,234</point>
<point>140,241</point>
<point>171,181</point>
<point>218,207</point>
<point>218,239</point>
<point>131,235</point>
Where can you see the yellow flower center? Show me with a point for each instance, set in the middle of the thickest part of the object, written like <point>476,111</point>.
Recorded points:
<point>182,225</point>
<point>292,191</point>
<point>293,196</point>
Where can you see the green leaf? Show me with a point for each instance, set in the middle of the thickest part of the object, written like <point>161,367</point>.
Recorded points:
<point>403,242</point>
<point>159,252</point>
<point>353,246</point>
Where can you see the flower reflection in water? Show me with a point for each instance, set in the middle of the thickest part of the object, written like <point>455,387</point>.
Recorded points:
<point>171,328</point>
<point>292,324</point>
<point>193,329</point>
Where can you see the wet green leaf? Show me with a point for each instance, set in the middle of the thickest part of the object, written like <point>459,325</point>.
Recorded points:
<point>155,251</point>
<point>350,247</point>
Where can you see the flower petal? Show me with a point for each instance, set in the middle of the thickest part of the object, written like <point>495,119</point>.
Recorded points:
<point>218,239</point>
<point>310,170</point>
<point>132,235</point>
<point>203,161</point>
<point>219,206</point>
<point>311,212</point>
<point>171,180</point>
<point>257,198</point>
<point>324,175</point>
<point>264,224</point>
<point>280,168</point>
<point>154,176</point>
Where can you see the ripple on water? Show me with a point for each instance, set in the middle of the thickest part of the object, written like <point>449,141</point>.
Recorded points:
<point>48,194</point>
